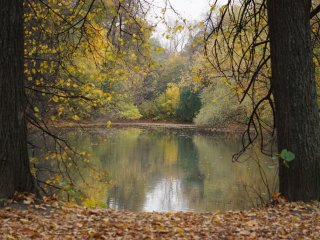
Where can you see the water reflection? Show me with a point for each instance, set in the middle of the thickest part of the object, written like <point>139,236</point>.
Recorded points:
<point>167,194</point>
<point>164,170</point>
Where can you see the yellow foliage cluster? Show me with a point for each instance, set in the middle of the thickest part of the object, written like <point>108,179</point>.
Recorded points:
<point>71,66</point>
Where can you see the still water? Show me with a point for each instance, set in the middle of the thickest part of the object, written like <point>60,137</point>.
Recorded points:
<point>170,170</point>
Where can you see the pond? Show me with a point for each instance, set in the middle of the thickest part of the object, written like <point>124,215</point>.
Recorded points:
<point>170,170</point>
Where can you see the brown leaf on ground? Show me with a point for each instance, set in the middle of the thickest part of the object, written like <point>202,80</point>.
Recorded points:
<point>57,220</point>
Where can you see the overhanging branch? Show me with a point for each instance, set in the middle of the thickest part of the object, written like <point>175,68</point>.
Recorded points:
<point>315,11</point>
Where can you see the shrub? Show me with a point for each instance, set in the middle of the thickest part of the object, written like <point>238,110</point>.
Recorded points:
<point>220,107</point>
<point>189,105</point>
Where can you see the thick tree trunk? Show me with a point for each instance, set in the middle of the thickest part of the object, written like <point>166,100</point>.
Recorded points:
<point>14,162</point>
<point>294,91</point>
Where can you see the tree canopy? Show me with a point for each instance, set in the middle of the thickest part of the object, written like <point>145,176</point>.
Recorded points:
<point>251,63</point>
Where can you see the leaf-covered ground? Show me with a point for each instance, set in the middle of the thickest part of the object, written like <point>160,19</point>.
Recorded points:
<point>56,220</point>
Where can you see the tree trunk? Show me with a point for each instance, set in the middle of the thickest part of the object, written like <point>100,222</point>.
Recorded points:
<point>294,91</point>
<point>14,162</point>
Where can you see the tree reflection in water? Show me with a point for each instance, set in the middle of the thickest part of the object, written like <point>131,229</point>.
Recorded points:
<point>170,169</point>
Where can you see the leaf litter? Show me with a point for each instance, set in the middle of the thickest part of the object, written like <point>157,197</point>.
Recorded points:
<point>26,218</point>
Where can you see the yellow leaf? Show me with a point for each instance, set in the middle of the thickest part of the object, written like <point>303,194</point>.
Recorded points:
<point>76,117</point>
<point>55,99</point>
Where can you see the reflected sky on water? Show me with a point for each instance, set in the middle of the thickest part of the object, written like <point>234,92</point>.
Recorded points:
<point>171,170</point>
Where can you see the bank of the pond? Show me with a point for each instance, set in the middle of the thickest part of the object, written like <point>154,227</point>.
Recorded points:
<point>57,220</point>
<point>145,124</point>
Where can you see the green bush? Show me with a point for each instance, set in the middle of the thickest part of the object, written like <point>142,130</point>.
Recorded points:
<point>122,107</point>
<point>220,107</point>
<point>164,106</point>
<point>189,105</point>
<point>130,111</point>
<point>148,109</point>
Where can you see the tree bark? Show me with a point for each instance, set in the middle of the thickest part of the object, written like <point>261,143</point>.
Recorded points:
<point>294,91</point>
<point>14,162</point>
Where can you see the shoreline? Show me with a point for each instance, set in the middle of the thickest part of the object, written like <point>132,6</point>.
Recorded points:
<point>144,124</point>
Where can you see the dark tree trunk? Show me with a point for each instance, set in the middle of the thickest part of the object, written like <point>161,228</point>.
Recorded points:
<point>14,162</point>
<point>294,91</point>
